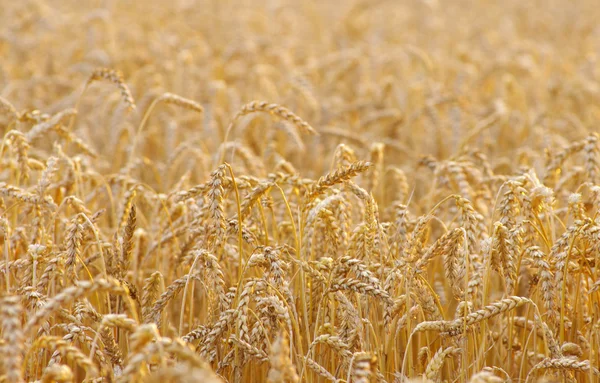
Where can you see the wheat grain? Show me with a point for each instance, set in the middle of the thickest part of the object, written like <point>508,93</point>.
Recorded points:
<point>486,313</point>
<point>10,311</point>
<point>276,110</point>
<point>116,78</point>
<point>71,293</point>
<point>563,364</point>
<point>338,176</point>
<point>437,361</point>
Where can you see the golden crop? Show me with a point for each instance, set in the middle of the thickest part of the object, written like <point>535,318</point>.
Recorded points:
<point>299,191</point>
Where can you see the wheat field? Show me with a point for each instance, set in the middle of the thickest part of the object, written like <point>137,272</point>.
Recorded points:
<point>299,191</point>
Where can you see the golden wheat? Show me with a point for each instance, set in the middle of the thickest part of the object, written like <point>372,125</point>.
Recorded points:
<point>417,199</point>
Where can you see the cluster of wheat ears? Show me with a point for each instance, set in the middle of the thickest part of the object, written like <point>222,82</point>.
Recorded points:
<point>240,191</point>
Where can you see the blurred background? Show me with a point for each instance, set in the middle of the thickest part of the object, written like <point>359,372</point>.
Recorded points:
<point>419,76</point>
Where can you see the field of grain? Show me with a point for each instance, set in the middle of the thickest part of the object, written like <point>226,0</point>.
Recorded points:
<point>299,191</point>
